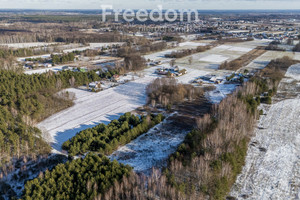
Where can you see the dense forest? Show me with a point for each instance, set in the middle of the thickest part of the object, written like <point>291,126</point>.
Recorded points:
<point>107,138</point>
<point>85,178</point>
<point>27,99</point>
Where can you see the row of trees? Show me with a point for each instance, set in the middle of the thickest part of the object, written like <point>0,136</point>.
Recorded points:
<point>57,35</point>
<point>186,52</point>
<point>107,138</point>
<point>143,48</point>
<point>86,178</point>
<point>8,52</point>
<point>22,52</point>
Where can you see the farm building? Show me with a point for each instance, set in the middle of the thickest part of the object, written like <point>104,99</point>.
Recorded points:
<point>115,78</point>
<point>95,85</point>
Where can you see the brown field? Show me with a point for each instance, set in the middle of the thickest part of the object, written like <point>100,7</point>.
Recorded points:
<point>244,60</point>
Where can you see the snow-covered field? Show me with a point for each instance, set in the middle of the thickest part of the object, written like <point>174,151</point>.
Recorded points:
<point>91,109</point>
<point>93,46</point>
<point>221,91</point>
<point>27,45</point>
<point>294,72</point>
<point>45,56</point>
<point>44,70</point>
<point>192,75</point>
<point>272,169</point>
<point>193,44</point>
<point>214,58</point>
<point>211,59</point>
<point>235,48</point>
<point>151,149</point>
<point>159,56</point>
<point>263,60</point>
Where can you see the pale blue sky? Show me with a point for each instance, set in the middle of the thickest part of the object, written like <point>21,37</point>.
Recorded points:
<point>150,4</point>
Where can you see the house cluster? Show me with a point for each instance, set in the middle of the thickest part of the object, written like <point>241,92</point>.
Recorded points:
<point>172,71</point>
<point>235,78</point>
<point>74,69</point>
<point>210,78</point>
<point>36,64</point>
<point>153,63</point>
<point>238,77</point>
<point>115,78</point>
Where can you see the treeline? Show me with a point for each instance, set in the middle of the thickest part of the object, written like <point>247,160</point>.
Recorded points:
<point>167,91</point>
<point>84,38</point>
<point>26,99</point>
<point>186,52</point>
<point>269,78</point>
<point>61,35</point>
<point>169,38</point>
<point>64,58</point>
<point>107,138</point>
<point>18,138</point>
<point>141,49</point>
<point>30,94</point>
<point>297,48</point>
<point>89,52</point>
<point>86,178</point>
<point>8,52</point>
<point>273,46</point>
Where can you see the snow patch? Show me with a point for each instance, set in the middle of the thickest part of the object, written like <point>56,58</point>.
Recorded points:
<point>193,44</point>
<point>221,91</point>
<point>234,48</point>
<point>294,72</point>
<point>151,149</point>
<point>214,58</point>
